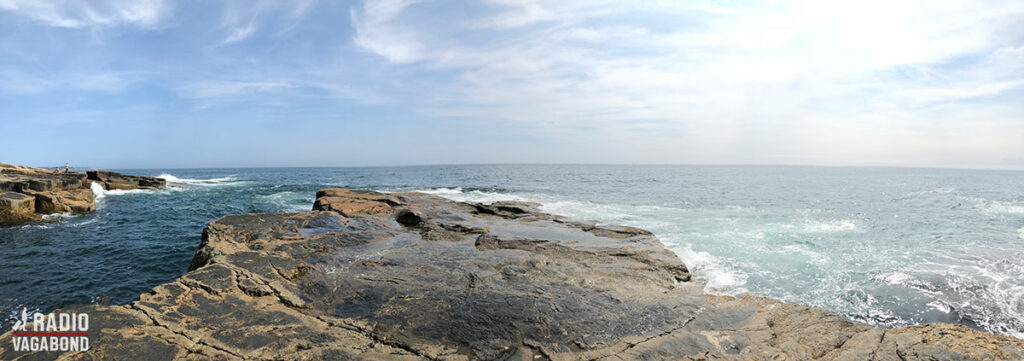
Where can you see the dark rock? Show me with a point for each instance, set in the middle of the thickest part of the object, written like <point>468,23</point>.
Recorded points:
<point>349,281</point>
<point>408,218</point>
<point>113,180</point>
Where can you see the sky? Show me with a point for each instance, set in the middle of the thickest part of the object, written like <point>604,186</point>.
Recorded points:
<point>165,84</point>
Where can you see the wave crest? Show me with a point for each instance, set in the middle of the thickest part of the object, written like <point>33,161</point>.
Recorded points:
<point>836,225</point>
<point>474,195</point>
<point>191,181</point>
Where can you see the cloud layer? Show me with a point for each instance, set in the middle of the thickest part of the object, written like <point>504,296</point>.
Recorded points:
<point>918,83</point>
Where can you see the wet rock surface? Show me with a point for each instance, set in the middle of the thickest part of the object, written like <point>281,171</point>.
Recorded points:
<point>410,277</point>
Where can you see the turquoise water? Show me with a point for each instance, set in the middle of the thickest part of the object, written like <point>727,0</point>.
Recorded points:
<point>886,246</point>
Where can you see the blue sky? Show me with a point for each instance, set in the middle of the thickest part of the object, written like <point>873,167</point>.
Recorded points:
<point>144,84</point>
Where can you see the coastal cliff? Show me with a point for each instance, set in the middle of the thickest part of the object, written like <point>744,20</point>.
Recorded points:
<point>407,276</point>
<point>27,193</point>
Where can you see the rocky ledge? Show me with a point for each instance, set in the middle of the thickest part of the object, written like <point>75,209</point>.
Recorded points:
<point>27,193</point>
<point>113,180</point>
<point>411,276</point>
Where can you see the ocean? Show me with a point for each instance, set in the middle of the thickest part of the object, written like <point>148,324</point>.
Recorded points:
<point>885,246</point>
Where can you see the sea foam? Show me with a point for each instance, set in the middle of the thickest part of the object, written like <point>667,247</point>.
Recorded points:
<point>211,181</point>
<point>719,277</point>
<point>475,195</point>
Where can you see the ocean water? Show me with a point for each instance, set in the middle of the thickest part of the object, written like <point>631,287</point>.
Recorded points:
<point>886,246</point>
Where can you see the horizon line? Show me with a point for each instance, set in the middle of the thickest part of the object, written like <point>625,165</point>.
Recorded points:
<point>577,164</point>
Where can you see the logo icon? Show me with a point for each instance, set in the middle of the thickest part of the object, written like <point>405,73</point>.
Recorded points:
<point>20,325</point>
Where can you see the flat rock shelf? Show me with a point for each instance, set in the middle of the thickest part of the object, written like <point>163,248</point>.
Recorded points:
<point>406,276</point>
<point>27,193</point>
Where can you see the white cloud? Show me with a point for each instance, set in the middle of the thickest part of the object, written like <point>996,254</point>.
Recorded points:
<point>377,32</point>
<point>523,14</point>
<point>240,20</point>
<point>224,88</point>
<point>12,82</point>
<point>97,13</point>
<point>243,89</point>
<point>240,33</point>
<point>958,93</point>
<point>693,71</point>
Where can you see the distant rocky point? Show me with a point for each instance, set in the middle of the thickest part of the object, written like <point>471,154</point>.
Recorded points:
<point>27,193</point>
<point>114,181</point>
<point>406,276</point>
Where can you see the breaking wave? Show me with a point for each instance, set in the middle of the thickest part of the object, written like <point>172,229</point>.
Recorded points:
<point>199,182</point>
<point>718,275</point>
<point>473,195</point>
<point>289,201</point>
<point>97,190</point>
<point>838,225</point>
<point>100,193</point>
<point>994,206</point>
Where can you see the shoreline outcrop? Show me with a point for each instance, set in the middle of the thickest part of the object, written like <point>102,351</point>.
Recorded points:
<point>27,193</point>
<point>407,276</point>
<point>117,181</point>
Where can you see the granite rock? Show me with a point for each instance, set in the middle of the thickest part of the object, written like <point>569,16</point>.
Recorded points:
<point>50,191</point>
<point>113,180</point>
<point>55,191</point>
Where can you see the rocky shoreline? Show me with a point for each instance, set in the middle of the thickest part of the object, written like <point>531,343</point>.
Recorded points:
<point>27,193</point>
<point>409,276</point>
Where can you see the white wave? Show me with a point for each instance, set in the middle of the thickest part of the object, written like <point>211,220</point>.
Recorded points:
<point>442,191</point>
<point>836,225</point>
<point>58,216</point>
<point>290,201</point>
<point>211,181</point>
<point>1020,233</point>
<point>97,190</point>
<point>719,277</point>
<point>117,192</point>
<point>457,194</point>
<point>940,306</point>
<point>586,210</point>
<point>998,207</point>
<point>995,303</point>
<point>101,193</point>
<point>894,278</point>
<point>993,206</point>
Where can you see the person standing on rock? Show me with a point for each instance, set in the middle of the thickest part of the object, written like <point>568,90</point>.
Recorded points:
<point>67,169</point>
